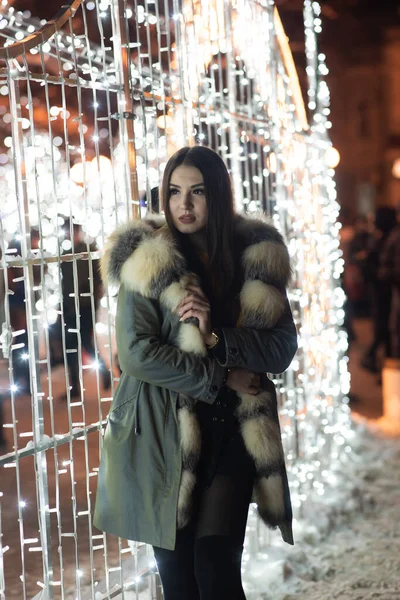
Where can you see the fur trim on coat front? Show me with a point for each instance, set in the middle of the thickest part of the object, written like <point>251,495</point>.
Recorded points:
<point>144,257</point>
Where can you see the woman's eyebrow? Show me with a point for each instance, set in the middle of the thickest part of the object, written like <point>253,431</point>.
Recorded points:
<point>192,186</point>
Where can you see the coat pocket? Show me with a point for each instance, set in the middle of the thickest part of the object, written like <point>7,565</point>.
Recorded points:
<point>124,413</point>
<point>117,414</point>
<point>119,439</point>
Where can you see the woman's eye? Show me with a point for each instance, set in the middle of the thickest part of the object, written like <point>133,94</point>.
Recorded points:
<point>173,192</point>
<point>199,191</point>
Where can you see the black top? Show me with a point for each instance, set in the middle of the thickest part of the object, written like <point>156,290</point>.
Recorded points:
<point>223,451</point>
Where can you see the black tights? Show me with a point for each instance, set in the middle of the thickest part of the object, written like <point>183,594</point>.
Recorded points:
<point>206,562</point>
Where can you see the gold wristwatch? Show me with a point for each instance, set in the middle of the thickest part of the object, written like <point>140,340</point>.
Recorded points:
<point>215,341</point>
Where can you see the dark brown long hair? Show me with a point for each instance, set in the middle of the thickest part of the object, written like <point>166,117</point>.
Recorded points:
<point>219,198</point>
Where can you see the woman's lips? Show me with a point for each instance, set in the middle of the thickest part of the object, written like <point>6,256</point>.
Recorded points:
<point>187,219</point>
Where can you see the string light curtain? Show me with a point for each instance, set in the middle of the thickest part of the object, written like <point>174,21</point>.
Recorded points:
<point>91,107</point>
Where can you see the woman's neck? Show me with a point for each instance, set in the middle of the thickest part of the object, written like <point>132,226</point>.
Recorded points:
<point>199,241</point>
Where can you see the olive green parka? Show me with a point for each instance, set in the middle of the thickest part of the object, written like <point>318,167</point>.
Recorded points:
<point>152,440</point>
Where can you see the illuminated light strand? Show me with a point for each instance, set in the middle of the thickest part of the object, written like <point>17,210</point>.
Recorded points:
<point>242,99</point>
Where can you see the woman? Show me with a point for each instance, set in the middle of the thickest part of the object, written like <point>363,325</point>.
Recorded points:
<point>193,431</point>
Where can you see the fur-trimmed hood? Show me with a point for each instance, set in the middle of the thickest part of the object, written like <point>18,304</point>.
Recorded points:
<point>143,255</point>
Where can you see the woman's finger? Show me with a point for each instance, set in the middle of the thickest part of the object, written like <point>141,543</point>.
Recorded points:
<point>195,303</point>
<point>193,312</point>
<point>195,306</point>
<point>188,298</point>
<point>194,291</point>
<point>194,297</point>
<point>197,290</point>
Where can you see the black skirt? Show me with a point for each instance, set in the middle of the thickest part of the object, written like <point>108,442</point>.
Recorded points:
<point>223,451</point>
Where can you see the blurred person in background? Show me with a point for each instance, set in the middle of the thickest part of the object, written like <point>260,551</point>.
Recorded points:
<point>354,242</point>
<point>356,280</point>
<point>87,317</point>
<point>389,272</point>
<point>16,300</point>
<point>346,235</point>
<point>53,329</point>
<point>380,291</point>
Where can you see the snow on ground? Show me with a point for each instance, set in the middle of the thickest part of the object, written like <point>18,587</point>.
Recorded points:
<point>348,543</point>
<point>349,546</point>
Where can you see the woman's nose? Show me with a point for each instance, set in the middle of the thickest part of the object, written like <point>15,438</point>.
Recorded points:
<point>186,199</point>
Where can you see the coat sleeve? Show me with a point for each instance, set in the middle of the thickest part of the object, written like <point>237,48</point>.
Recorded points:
<point>260,350</point>
<point>142,353</point>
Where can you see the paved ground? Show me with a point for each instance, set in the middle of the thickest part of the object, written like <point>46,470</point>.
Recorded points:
<point>359,558</point>
<point>365,388</point>
<point>78,487</point>
<point>71,491</point>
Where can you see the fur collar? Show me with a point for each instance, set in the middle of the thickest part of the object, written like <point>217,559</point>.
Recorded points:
<point>143,255</point>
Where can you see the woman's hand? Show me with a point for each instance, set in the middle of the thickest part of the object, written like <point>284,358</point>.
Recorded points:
<point>197,305</point>
<point>244,381</point>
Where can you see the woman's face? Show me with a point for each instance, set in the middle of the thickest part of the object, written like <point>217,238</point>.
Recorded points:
<point>187,200</point>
